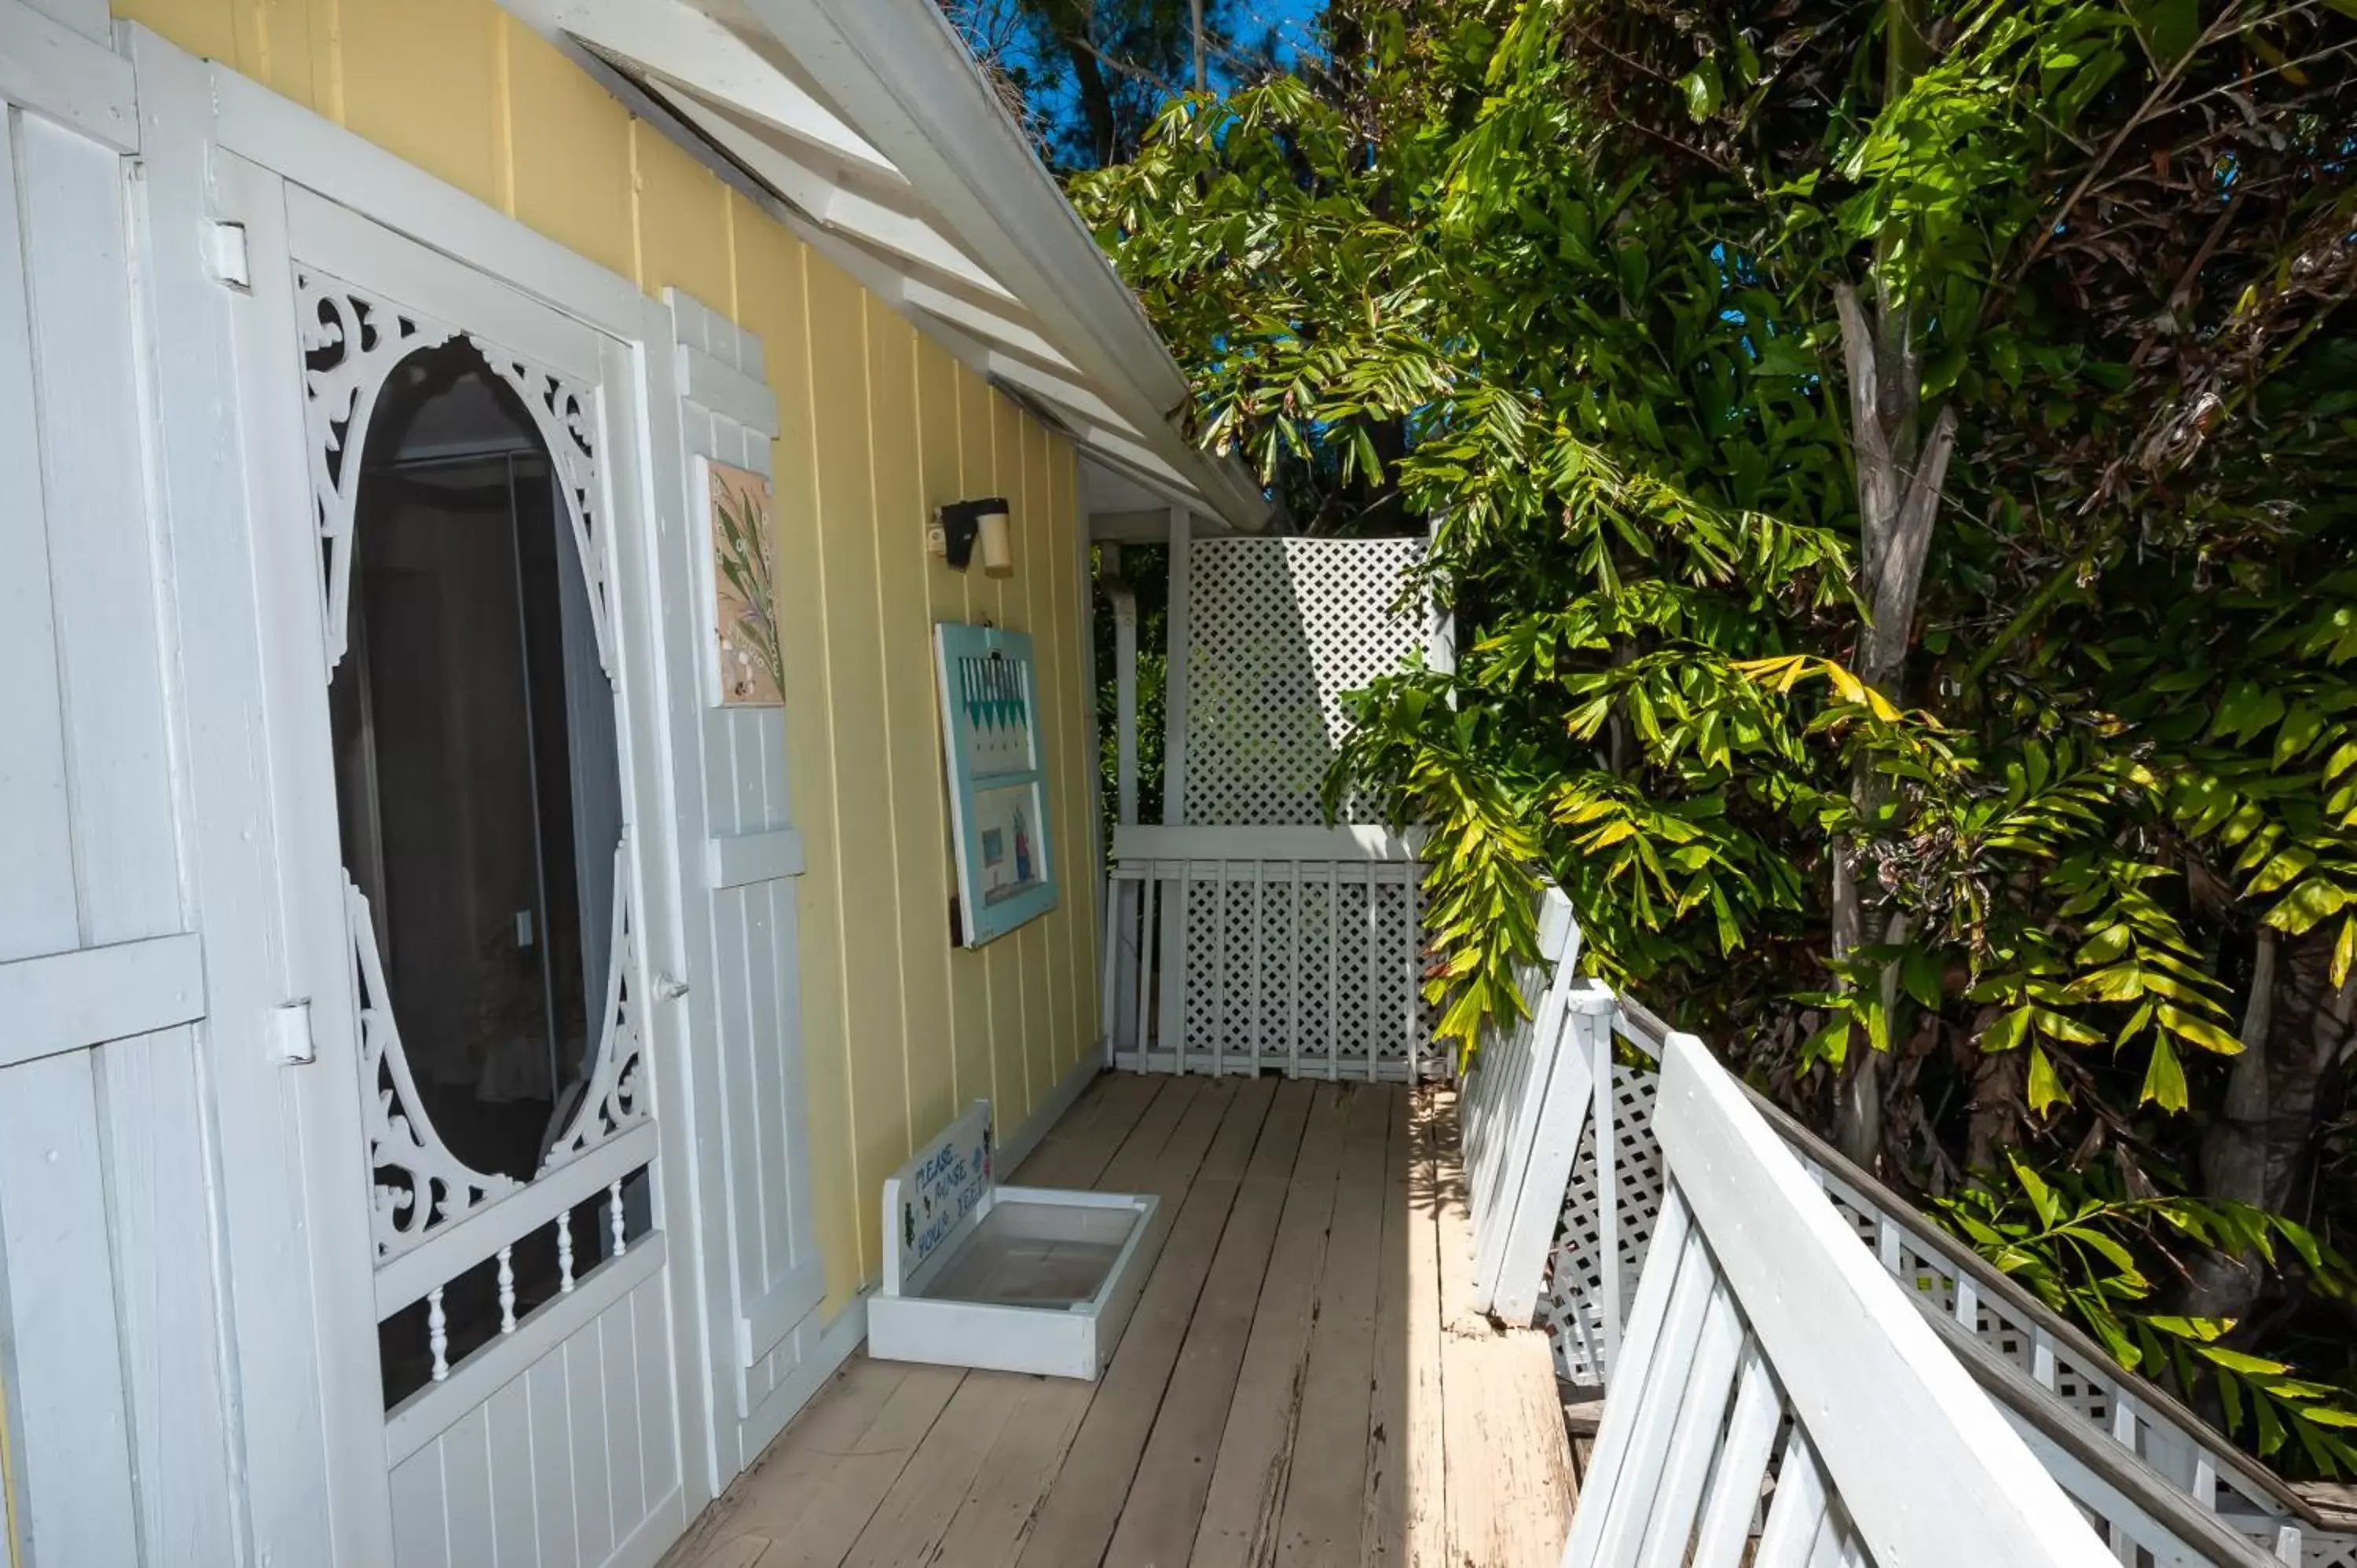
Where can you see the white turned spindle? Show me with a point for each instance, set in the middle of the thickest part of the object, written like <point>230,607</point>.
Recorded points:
<point>565,1253</point>
<point>506,1289</point>
<point>438,1334</point>
<point>614,1218</point>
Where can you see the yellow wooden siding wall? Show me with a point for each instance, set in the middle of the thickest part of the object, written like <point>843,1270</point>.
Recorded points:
<point>879,425</point>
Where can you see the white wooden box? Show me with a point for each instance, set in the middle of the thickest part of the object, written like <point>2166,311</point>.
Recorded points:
<point>1021,1278</point>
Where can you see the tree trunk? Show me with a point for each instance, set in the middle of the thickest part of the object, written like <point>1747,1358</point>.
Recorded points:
<point>1096,100</point>
<point>2296,1034</point>
<point>1897,501</point>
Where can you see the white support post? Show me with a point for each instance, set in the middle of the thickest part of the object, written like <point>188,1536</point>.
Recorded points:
<point>1608,1190</point>
<point>1374,971</point>
<point>1174,678</point>
<point>1124,899</point>
<point>1439,623</point>
<point>1101,856</point>
<point>1172,963</point>
<point>1124,659</point>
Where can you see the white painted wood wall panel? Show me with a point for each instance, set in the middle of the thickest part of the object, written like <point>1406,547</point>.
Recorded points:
<point>109,1328</point>
<point>102,560</point>
<point>573,1461</point>
<point>38,914</point>
<point>65,1377</point>
<point>749,1016</point>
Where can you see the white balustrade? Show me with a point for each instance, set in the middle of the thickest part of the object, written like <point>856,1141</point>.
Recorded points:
<point>491,1279</point>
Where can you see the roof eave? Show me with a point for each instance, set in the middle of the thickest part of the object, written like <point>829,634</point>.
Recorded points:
<point>900,73</point>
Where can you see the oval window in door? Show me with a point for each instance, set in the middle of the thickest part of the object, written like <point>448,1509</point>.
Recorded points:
<point>476,774</point>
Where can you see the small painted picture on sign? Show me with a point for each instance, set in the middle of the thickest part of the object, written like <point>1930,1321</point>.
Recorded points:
<point>1010,860</point>
<point>745,616</point>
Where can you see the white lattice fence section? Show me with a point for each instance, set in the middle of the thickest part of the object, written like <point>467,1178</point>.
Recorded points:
<point>1278,630</point>
<point>1231,951</point>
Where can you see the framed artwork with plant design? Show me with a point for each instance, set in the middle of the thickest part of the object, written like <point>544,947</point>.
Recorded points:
<point>744,620</point>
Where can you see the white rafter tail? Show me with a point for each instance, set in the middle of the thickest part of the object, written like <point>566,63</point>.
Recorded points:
<point>690,49</point>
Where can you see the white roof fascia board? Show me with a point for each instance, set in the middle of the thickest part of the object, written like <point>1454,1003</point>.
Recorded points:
<point>898,71</point>
<point>687,48</point>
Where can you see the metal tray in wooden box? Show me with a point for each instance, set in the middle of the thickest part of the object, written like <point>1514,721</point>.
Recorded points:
<point>1022,1279</point>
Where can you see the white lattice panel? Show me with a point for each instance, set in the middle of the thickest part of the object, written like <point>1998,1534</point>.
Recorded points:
<point>2329,1552</point>
<point>1310,967</point>
<point>1570,1307</point>
<point>1278,629</point>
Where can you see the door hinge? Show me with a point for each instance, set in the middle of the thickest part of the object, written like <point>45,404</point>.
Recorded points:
<point>290,1032</point>
<point>225,256</point>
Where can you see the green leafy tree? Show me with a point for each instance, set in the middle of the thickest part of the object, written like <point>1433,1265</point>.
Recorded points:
<point>1891,465</point>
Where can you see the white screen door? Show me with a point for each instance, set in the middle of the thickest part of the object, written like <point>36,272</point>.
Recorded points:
<point>467,721</point>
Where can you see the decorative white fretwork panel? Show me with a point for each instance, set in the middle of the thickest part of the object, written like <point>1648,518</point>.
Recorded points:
<point>1278,629</point>
<point>353,341</point>
<point>421,1184</point>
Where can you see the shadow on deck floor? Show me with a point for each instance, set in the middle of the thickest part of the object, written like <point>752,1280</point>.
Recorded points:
<point>1304,1380</point>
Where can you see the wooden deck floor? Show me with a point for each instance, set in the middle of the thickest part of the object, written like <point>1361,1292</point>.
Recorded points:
<point>1300,1385</point>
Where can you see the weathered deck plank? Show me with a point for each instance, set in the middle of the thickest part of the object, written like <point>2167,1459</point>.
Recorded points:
<point>1325,1498</point>
<point>1508,1465</point>
<point>1256,1446</point>
<point>1383,1523</point>
<point>1426,1437</point>
<point>1166,1501</point>
<point>1082,1508</point>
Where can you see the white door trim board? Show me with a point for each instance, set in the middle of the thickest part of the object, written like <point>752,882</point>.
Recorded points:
<point>47,67</point>
<point>318,154</point>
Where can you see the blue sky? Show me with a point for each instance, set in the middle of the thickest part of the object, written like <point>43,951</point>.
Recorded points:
<point>1292,23</point>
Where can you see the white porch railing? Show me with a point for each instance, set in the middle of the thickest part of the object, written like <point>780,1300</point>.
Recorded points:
<point>1249,950</point>
<point>2151,1475</point>
<point>1565,1218</point>
<point>1778,1403</point>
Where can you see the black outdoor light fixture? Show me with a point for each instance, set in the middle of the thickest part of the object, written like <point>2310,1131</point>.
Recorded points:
<point>962,524</point>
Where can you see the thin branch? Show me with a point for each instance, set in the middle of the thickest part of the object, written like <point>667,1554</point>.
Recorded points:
<point>2224,27</point>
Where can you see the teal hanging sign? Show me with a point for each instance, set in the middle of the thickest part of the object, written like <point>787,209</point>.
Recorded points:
<point>998,788</point>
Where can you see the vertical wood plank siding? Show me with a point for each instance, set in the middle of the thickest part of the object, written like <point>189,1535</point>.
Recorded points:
<point>880,427</point>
